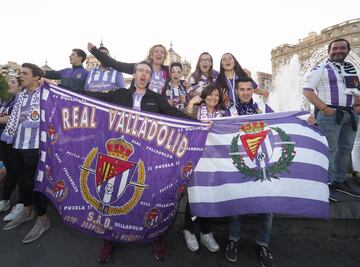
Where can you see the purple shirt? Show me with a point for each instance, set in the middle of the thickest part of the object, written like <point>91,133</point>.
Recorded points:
<point>157,82</point>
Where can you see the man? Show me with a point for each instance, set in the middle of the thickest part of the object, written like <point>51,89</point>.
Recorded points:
<point>71,78</point>
<point>142,99</point>
<point>103,78</point>
<point>22,130</point>
<point>244,91</point>
<point>337,106</point>
<point>247,106</point>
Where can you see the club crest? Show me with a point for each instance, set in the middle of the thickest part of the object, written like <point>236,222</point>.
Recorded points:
<point>187,170</point>
<point>257,140</point>
<point>34,115</point>
<point>60,190</point>
<point>113,177</point>
<point>152,218</point>
<point>53,136</point>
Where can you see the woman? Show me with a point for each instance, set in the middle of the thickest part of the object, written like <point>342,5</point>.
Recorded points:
<point>6,151</point>
<point>203,75</point>
<point>156,56</point>
<point>230,72</point>
<point>203,108</point>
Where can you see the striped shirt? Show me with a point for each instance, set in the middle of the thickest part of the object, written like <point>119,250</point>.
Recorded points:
<point>27,134</point>
<point>331,80</point>
<point>177,95</point>
<point>157,82</point>
<point>104,80</point>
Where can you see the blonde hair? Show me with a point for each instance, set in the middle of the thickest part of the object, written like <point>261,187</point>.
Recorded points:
<point>151,51</point>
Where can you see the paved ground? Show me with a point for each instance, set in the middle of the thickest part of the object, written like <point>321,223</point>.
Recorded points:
<point>62,246</point>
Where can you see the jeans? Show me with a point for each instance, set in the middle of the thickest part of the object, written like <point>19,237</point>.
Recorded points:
<point>356,151</point>
<point>263,228</point>
<point>340,138</point>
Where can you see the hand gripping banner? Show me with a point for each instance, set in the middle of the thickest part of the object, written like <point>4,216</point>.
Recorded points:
<point>269,163</point>
<point>112,171</point>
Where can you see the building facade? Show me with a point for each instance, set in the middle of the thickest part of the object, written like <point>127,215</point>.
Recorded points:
<point>10,69</point>
<point>264,80</point>
<point>307,46</point>
<point>175,57</point>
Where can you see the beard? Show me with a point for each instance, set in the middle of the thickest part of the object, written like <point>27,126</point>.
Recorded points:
<point>338,57</point>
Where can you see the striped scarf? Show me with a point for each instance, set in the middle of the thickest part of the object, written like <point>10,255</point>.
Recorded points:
<point>10,130</point>
<point>203,113</point>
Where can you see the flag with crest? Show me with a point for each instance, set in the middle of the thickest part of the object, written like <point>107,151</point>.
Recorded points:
<point>266,163</point>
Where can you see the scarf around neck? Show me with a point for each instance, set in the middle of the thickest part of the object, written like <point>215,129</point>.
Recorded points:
<point>11,127</point>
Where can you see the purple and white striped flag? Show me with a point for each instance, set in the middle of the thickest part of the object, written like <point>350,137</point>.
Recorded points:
<point>268,163</point>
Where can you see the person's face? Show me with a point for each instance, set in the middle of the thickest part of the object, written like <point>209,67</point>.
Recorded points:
<point>205,63</point>
<point>75,60</point>
<point>213,99</point>
<point>27,79</point>
<point>142,76</point>
<point>14,87</point>
<point>227,62</point>
<point>244,91</point>
<point>158,55</point>
<point>175,73</point>
<point>338,51</point>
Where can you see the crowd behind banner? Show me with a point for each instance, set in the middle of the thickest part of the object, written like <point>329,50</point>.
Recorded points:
<point>103,142</point>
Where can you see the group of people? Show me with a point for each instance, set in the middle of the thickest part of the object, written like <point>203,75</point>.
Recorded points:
<point>158,88</point>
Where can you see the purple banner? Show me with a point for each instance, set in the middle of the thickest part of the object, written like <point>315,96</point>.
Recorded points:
<point>111,171</point>
<point>269,163</point>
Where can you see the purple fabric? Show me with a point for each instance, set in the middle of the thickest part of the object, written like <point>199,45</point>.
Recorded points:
<point>219,151</point>
<point>220,178</point>
<point>280,205</point>
<point>349,99</point>
<point>130,199</point>
<point>298,172</point>
<point>334,90</point>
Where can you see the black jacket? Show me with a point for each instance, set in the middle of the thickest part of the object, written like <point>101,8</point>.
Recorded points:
<point>151,102</point>
<point>122,66</point>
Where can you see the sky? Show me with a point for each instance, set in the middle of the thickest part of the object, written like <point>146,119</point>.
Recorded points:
<point>39,30</point>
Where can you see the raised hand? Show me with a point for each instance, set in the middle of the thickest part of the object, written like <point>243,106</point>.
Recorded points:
<point>90,46</point>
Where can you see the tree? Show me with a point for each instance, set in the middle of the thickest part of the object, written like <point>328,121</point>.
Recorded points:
<point>3,88</point>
